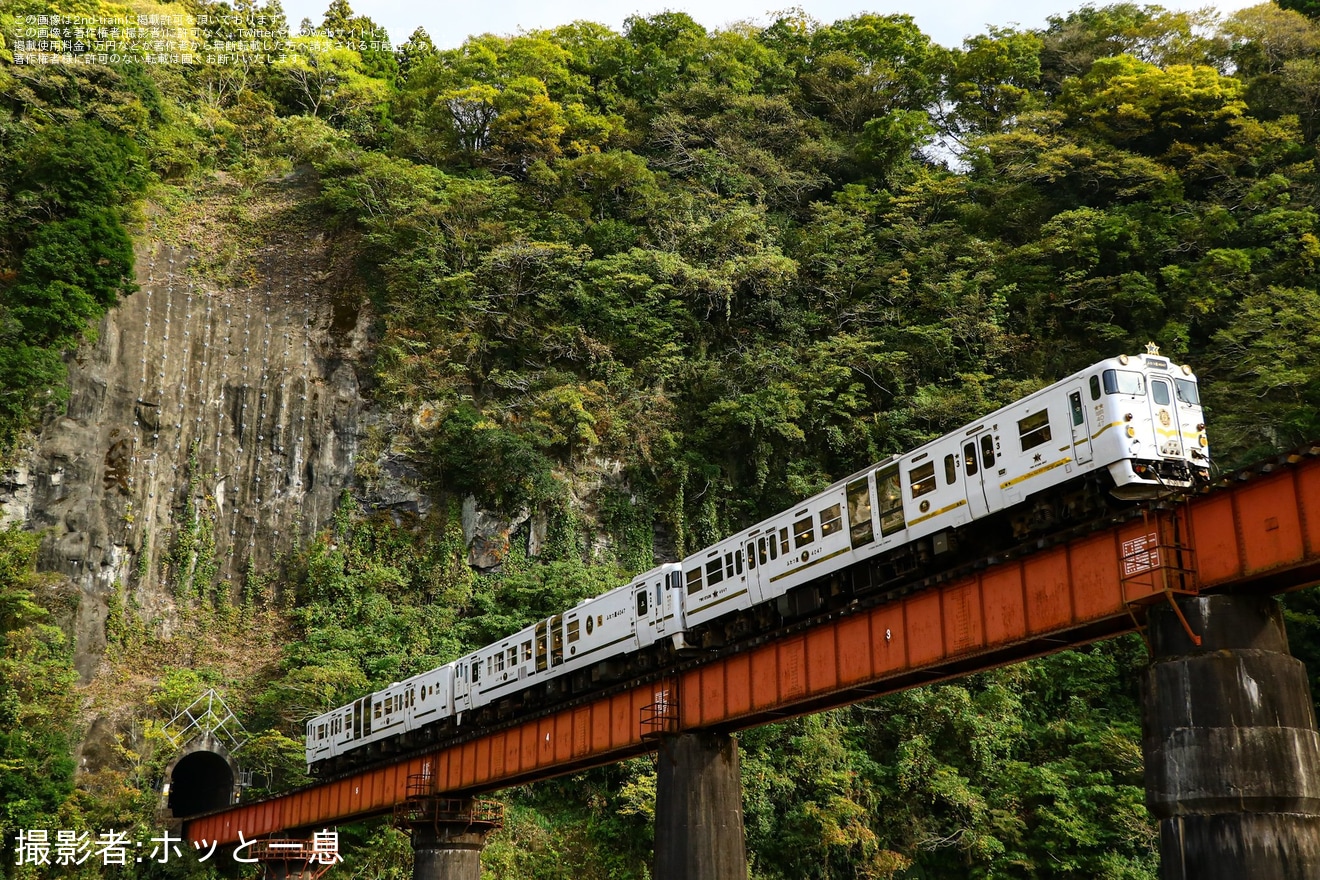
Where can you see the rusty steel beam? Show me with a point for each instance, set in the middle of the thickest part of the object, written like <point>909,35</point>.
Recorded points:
<point>1259,531</point>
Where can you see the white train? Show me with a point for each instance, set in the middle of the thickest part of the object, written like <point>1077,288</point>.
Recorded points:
<point>1127,427</point>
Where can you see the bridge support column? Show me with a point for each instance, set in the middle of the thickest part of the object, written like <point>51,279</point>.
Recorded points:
<point>1232,752</point>
<point>448,835</point>
<point>698,809</point>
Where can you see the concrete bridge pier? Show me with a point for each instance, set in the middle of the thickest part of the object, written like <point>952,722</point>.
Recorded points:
<point>698,809</point>
<point>448,836</point>
<point>1232,752</point>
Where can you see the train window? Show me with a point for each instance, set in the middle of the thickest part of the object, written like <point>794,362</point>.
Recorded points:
<point>751,555</point>
<point>498,660</point>
<point>573,634</point>
<point>490,664</point>
<point>513,654</point>
<point>589,624</point>
<point>1034,429</point>
<point>642,605</point>
<point>988,451</point>
<point>783,542</point>
<point>1095,387</point>
<point>1124,382</point>
<point>527,650</point>
<point>376,711</point>
<point>1160,391</point>
<point>859,512</point>
<point>540,647</point>
<point>694,580</point>
<point>831,520</point>
<point>969,459</point>
<point>737,561</point>
<point>728,564</point>
<point>1187,392</point>
<point>714,571</point>
<point>950,470</point>
<point>803,532</point>
<point>922,479</point>
<point>1075,406</point>
<point>476,671</point>
<point>760,548</point>
<point>891,501</point>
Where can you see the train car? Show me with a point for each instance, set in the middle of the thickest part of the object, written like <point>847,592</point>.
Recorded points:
<point>1129,428</point>
<point>376,718</point>
<point>587,641</point>
<point>434,695</point>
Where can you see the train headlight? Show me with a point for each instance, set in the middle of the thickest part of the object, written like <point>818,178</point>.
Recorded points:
<point>1123,359</point>
<point>1201,440</point>
<point>1187,371</point>
<point>1131,430</point>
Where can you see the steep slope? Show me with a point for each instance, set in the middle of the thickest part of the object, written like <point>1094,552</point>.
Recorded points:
<point>214,423</point>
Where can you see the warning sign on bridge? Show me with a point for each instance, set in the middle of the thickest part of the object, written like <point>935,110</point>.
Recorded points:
<point>1140,554</point>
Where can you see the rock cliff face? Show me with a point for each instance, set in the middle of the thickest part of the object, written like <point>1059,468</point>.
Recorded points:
<point>208,429</point>
<point>213,425</point>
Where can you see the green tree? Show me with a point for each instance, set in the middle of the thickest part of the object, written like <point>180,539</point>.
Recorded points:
<point>38,703</point>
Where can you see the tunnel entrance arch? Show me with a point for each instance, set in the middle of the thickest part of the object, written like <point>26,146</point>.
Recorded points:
<point>203,777</point>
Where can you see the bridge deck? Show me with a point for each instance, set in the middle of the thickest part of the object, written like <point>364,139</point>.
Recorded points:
<point>1260,531</point>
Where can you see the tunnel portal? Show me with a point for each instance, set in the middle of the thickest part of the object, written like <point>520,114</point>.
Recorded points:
<point>200,782</point>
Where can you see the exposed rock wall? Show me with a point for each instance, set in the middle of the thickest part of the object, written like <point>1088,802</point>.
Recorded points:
<point>232,414</point>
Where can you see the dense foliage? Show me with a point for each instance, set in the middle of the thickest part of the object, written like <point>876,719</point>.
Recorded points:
<point>726,268</point>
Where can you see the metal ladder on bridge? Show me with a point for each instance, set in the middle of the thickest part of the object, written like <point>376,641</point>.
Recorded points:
<point>1160,565</point>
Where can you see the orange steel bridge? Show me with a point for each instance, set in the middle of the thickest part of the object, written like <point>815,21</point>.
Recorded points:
<point>1258,530</point>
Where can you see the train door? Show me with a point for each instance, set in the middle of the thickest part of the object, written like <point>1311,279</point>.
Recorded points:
<point>673,587</point>
<point>754,588</point>
<point>556,640</point>
<point>971,460</point>
<point>1168,432</point>
<point>889,489</point>
<point>663,603</point>
<point>357,719</point>
<point>647,609</point>
<point>462,685</point>
<point>542,647</point>
<point>1081,432</point>
<point>988,462</point>
<point>861,530</point>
